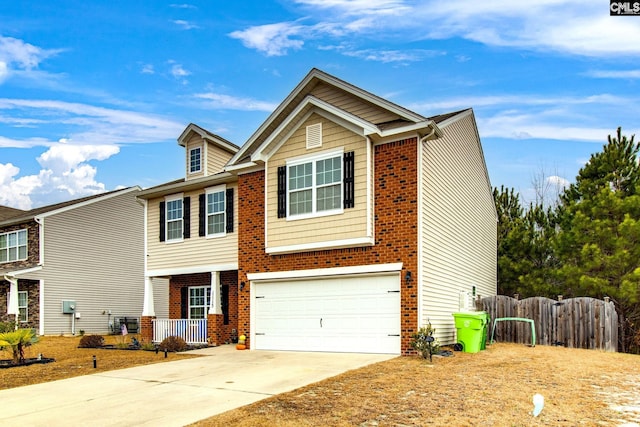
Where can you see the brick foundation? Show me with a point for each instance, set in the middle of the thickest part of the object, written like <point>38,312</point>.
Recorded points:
<point>146,328</point>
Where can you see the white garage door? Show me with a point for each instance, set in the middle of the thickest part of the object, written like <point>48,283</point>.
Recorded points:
<point>339,314</point>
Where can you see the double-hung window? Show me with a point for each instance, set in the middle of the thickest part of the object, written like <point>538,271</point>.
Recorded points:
<point>195,160</point>
<point>13,246</point>
<point>199,301</point>
<point>23,306</point>
<point>174,219</point>
<point>315,185</point>
<point>216,221</point>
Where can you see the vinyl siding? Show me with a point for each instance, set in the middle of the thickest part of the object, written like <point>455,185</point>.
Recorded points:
<point>354,105</point>
<point>94,256</point>
<point>352,223</point>
<point>458,234</point>
<point>161,297</point>
<point>195,251</point>
<point>217,158</point>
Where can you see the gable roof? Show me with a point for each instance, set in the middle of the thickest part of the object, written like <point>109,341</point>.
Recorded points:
<point>207,136</point>
<point>24,216</point>
<point>6,212</point>
<point>317,92</point>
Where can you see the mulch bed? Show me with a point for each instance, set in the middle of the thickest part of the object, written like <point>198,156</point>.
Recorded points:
<point>4,364</point>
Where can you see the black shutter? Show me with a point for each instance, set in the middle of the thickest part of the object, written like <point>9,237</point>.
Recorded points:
<point>163,216</point>
<point>224,302</point>
<point>202,215</point>
<point>184,302</point>
<point>349,182</point>
<point>186,217</point>
<point>229,206</point>
<point>282,191</point>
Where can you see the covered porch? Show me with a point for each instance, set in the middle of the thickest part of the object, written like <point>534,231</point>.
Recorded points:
<point>201,308</point>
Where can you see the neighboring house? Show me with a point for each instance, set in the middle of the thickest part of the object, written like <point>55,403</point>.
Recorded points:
<point>357,222</point>
<point>73,266</point>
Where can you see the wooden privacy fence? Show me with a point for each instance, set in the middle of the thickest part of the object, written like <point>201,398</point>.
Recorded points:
<point>577,322</point>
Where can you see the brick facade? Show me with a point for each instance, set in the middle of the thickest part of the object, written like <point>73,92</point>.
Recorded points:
<point>33,306</point>
<point>33,246</point>
<point>217,330</point>
<point>396,228</point>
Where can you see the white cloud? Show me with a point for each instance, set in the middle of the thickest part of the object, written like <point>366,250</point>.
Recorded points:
<point>567,26</point>
<point>85,124</point>
<point>62,158</point>
<point>513,125</point>
<point>226,102</point>
<point>186,25</point>
<point>512,101</point>
<point>178,71</point>
<point>361,7</point>
<point>65,174</point>
<point>614,74</point>
<point>271,39</point>
<point>16,192</point>
<point>147,69</point>
<point>4,71</point>
<point>387,56</point>
<point>558,182</point>
<point>183,6</point>
<point>18,56</point>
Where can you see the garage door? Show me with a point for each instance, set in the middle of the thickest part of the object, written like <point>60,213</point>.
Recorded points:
<point>340,314</point>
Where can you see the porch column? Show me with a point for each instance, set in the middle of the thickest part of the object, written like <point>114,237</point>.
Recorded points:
<point>148,312</point>
<point>12,298</point>
<point>148,308</point>
<point>214,316</point>
<point>216,290</point>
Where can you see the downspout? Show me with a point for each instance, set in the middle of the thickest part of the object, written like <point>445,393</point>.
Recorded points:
<point>418,278</point>
<point>429,135</point>
<point>40,222</point>
<point>41,317</point>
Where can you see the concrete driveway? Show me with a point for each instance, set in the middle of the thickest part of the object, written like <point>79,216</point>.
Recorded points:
<point>173,393</point>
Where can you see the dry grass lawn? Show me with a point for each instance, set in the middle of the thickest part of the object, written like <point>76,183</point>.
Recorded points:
<point>71,361</point>
<point>491,388</point>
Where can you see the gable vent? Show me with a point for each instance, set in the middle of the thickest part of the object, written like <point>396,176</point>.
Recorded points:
<point>314,136</point>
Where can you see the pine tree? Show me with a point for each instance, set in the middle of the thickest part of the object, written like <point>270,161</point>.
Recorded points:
<point>598,238</point>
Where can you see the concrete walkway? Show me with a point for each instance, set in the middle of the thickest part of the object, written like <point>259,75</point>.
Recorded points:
<point>173,393</point>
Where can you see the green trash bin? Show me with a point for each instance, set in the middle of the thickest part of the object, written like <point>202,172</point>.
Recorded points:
<point>471,328</point>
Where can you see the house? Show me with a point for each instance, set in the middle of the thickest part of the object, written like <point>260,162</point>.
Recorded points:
<point>73,266</point>
<point>191,245</point>
<point>355,222</point>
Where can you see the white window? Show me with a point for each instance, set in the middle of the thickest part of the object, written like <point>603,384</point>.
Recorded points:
<point>195,160</point>
<point>315,185</point>
<point>174,219</point>
<point>23,306</point>
<point>13,246</point>
<point>199,301</point>
<point>216,211</point>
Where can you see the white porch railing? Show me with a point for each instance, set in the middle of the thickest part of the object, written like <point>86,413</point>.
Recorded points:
<point>193,331</point>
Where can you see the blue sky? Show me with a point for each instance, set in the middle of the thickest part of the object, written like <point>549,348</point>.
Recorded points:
<point>93,94</point>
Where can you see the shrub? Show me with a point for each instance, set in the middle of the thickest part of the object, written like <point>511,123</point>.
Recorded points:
<point>173,344</point>
<point>91,341</point>
<point>7,327</point>
<point>424,342</point>
<point>17,341</point>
